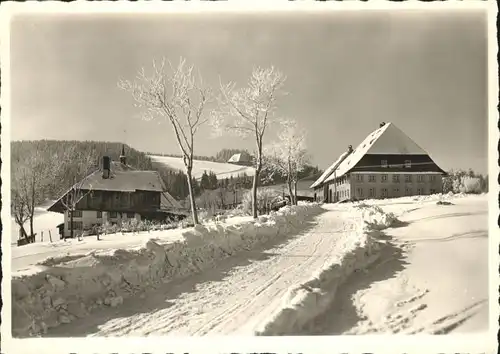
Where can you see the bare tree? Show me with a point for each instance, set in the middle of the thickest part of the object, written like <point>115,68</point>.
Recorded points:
<point>19,205</point>
<point>31,178</point>
<point>179,97</point>
<point>80,165</point>
<point>250,111</point>
<point>288,155</point>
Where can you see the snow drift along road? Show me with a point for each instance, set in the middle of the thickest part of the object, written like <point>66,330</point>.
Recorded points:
<point>72,287</point>
<point>308,300</point>
<point>242,292</point>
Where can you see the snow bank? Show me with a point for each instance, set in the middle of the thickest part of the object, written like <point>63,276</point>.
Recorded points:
<point>68,288</point>
<point>305,301</point>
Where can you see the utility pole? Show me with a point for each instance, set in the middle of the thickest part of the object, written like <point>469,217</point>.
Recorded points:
<point>335,186</point>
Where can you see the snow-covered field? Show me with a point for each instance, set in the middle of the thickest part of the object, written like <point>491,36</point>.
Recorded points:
<point>404,265</point>
<point>43,221</point>
<point>222,170</point>
<point>432,277</point>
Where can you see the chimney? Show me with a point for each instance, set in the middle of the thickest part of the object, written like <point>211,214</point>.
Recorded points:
<point>123,158</point>
<point>382,124</point>
<point>349,149</point>
<point>106,167</point>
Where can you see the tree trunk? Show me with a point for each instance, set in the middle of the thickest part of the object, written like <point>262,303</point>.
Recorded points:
<point>31,225</point>
<point>22,231</point>
<point>255,213</point>
<point>295,202</point>
<point>290,192</point>
<point>194,213</point>
<point>71,224</point>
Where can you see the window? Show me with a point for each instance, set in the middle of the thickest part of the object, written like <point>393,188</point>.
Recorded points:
<point>360,192</point>
<point>372,192</point>
<point>384,178</point>
<point>113,214</point>
<point>384,163</point>
<point>395,192</point>
<point>408,178</point>
<point>359,178</point>
<point>407,163</point>
<point>77,213</point>
<point>77,225</point>
<point>420,178</point>
<point>395,178</point>
<point>408,191</point>
<point>433,191</point>
<point>130,215</point>
<point>371,178</point>
<point>385,193</point>
<point>99,214</point>
<point>432,178</point>
<point>420,191</point>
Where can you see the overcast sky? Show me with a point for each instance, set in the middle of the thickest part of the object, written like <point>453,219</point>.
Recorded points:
<point>425,72</point>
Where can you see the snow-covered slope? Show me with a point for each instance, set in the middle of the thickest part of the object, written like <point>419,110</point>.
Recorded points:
<point>432,277</point>
<point>43,221</point>
<point>222,170</point>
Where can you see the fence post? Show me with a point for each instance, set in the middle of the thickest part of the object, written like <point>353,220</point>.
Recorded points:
<point>42,236</point>
<point>50,236</point>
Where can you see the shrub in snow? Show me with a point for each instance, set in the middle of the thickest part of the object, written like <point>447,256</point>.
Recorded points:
<point>470,185</point>
<point>264,198</point>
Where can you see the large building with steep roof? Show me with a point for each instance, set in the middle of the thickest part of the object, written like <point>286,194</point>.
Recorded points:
<point>114,193</point>
<point>387,164</point>
<point>242,159</point>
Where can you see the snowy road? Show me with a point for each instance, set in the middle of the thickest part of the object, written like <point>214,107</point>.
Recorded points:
<point>234,298</point>
<point>432,279</point>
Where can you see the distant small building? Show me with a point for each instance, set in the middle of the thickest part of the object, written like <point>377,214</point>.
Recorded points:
<point>117,192</point>
<point>387,164</point>
<point>242,159</point>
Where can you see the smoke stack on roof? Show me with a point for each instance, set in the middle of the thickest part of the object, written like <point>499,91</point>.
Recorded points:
<point>106,167</point>
<point>349,149</point>
<point>123,158</point>
<point>382,124</point>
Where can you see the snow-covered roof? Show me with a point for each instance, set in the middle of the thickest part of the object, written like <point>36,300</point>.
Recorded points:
<point>241,157</point>
<point>124,178</point>
<point>385,140</point>
<point>329,170</point>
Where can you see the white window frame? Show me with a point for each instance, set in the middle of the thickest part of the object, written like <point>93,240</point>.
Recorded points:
<point>407,163</point>
<point>384,178</point>
<point>384,163</point>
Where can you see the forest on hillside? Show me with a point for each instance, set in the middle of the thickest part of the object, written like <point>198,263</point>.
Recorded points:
<point>76,152</point>
<point>67,169</point>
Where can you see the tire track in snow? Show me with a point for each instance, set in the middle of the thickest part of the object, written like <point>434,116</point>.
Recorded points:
<point>246,295</point>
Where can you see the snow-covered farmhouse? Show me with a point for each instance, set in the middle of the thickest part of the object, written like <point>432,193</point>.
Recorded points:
<point>387,164</point>
<point>114,193</point>
<point>242,159</point>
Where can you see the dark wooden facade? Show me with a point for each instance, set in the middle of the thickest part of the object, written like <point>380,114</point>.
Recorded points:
<point>138,201</point>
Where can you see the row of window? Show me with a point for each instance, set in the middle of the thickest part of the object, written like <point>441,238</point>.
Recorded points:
<point>78,225</point>
<point>384,192</point>
<point>111,214</point>
<point>384,164</point>
<point>395,178</point>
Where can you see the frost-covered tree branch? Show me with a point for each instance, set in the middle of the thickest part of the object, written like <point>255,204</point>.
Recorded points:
<point>83,164</point>
<point>30,181</point>
<point>288,155</point>
<point>249,111</point>
<point>178,96</point>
